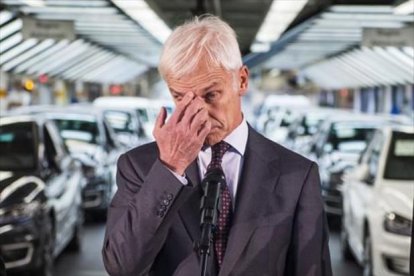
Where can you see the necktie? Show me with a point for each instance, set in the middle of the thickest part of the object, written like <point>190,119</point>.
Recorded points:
<point>224,218</point>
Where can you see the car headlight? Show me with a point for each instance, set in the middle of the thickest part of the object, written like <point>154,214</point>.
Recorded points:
<point>397,224</point>
<point>20,211</point>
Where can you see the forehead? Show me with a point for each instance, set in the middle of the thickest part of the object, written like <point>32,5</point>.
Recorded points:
<point>200,78</point>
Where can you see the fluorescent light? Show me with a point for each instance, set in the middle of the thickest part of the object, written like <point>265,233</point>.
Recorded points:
<point>62,58</point>
<point>279,17</point>
<point>5,16</point>
<point>93,62</point>
<point>34,3</point>
<point>80,74</point>
<point>146,17</point>
<point>409,51</point>
<point>42,56</point>
<point>17,50</point>
<point>360,9</point>
<point>258,47</point>
<point>10,42</point>
<point>367,17</point>
<point>83,3</point>
<point>101,11</point>
<point>25,56</point>
<point>10,28</point>
<point>405,8</point>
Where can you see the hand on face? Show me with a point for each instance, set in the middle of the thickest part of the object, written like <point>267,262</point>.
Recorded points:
<point>180,139</point>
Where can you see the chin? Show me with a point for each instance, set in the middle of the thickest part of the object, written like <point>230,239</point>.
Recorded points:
<point>213,138</point>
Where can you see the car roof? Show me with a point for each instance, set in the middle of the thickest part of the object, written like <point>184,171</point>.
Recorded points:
<point>12,119</point>
<point>120,101</point>
<point>400,128</point>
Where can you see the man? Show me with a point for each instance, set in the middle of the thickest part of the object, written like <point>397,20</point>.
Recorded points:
<point>271,220</point>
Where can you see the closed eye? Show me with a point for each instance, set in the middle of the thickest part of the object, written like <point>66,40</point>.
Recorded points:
<point>211,96</point>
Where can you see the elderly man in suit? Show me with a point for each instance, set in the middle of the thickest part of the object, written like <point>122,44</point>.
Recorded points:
<point>271,220</point>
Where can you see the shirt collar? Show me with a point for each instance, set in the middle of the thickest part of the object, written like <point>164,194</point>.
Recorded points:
<point>237,138</point>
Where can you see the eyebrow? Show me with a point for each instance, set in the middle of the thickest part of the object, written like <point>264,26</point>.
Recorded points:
<point>177,93</point>
<point>210,86</point>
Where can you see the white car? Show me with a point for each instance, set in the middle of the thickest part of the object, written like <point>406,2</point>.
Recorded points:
<point>147,109</point>
<point>378,204</point>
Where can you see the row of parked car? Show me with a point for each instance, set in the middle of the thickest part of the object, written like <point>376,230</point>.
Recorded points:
<point>58,165</point>
<point>366,165</point>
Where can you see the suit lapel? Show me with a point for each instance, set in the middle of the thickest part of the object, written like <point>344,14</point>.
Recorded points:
<point>190,211</point>
<point>257,183</point>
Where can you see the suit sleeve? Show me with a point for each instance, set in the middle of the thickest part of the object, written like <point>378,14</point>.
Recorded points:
<point>140,216</point>
<point>309,252</point>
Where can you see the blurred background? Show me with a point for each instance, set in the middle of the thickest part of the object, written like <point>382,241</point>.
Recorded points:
<point>330,79</point>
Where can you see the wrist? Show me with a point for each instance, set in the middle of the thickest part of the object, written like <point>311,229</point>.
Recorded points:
<point>176,169</point>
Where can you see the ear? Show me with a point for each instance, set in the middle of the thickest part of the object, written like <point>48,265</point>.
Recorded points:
<point>244,80</point>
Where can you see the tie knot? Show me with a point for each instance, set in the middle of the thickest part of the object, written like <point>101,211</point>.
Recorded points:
<point>217,152</point>
<point>219,149</point>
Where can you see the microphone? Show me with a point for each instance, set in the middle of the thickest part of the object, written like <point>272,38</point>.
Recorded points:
<point>210,201</point>
<point>209,207</point>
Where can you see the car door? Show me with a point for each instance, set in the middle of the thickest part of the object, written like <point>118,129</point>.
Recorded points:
<point>113,151</point>
<point>64,186</point>
<point>361,192</point>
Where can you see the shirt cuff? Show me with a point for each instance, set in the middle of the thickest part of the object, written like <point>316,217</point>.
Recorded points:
<point>182,178</point>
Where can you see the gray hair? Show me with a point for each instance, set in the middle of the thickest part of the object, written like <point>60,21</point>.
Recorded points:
<point>205,36</point>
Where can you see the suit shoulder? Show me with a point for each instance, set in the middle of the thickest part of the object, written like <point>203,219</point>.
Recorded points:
<point>288,156</point>
<point>144,154</point>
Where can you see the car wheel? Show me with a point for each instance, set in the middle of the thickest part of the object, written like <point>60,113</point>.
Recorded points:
<point>345,248</point>
<point>367,257</point>
<point>46,266</point>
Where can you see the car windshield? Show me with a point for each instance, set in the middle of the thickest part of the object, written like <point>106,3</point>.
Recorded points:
<point>120,121</point>
<point>350,138</point>
<point>400,159</point>
<point>310,123</point>
<point>17,146</point>
<point>142,114</point>
<point>78,130</point>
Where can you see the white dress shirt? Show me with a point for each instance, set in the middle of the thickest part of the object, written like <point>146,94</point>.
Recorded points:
<point>232,160</point>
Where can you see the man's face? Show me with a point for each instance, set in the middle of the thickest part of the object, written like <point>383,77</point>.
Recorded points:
<point>221,92</point>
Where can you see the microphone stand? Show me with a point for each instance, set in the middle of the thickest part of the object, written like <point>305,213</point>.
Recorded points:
<point>209,213</point>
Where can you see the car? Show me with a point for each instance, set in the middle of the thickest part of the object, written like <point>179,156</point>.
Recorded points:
<point>274,106</point>
<point>306,125</point>
<point>337,147</point>
<point>40,195</point>
<point>126,125</point>
<point>378,204</point>
<point>146,109</point>
<point>90,139</point>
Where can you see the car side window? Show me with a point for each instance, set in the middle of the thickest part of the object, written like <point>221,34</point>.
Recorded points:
<point>109,138</point>
<point>51,152</point>
<point>374,157</point>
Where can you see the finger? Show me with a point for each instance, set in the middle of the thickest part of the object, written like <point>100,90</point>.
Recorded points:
<point>162,115</point>
<point>198,120</point>
<point>204,130</point>
<point>192,110</point>
<point>181,106</point>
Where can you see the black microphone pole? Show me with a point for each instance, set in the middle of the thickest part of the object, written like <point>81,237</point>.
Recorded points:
<point>209,212</point>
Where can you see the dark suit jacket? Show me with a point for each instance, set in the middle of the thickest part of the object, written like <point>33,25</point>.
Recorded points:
<point>2,267</point>
<point>279,226</point>
<point>412,248</point>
